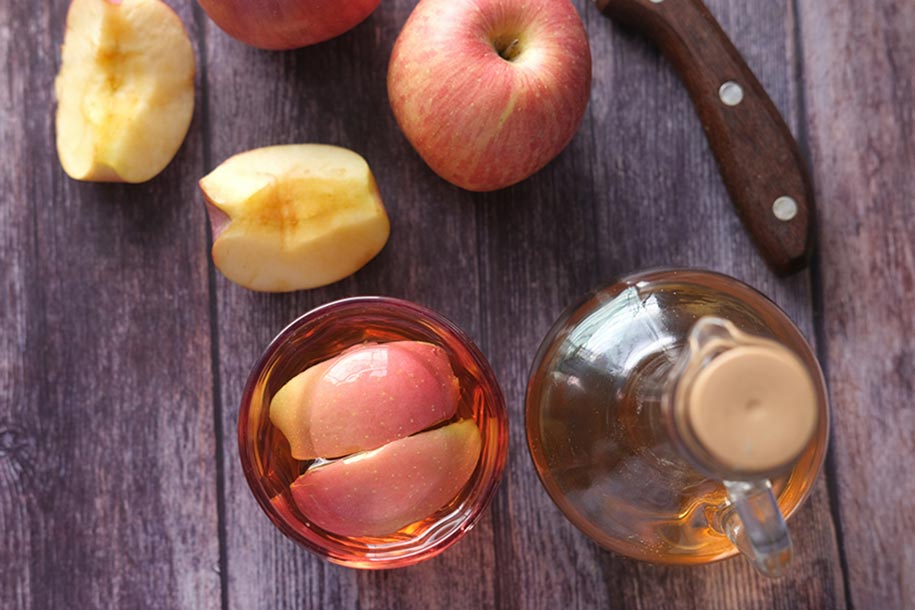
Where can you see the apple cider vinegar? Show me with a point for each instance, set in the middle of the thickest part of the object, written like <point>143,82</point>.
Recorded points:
<point>603,408</point>
<point>323,334</point>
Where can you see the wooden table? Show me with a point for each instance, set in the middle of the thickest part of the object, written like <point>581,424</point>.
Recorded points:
<point>123,352</point>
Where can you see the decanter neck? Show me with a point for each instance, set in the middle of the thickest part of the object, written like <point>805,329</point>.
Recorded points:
<point>738,406</point>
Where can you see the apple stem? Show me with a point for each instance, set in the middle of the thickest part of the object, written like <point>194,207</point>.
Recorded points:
<point>510,51</point>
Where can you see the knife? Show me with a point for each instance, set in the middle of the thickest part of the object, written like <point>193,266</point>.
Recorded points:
<point>759,159</point>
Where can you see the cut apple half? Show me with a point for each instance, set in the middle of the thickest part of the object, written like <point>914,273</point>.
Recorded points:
<point>125,90</point>
<point>294,217</point>
<point>380,492</point>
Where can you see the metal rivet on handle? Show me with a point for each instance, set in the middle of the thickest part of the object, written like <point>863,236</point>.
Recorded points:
<point>784,208</point>
<point>730,93</point>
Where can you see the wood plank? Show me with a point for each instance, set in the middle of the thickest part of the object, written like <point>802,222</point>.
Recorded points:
<point>858,63</point>
<point>638,188</point>
<point>107,461</point>
<point>335,93</point>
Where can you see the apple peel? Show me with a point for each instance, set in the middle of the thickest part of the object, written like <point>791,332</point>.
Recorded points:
<point>382,491</point>
<point>490,91</point>
<point>365,397</point>
<point>286,24</point>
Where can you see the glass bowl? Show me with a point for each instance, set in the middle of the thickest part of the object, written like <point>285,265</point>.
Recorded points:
<point>323,333</point>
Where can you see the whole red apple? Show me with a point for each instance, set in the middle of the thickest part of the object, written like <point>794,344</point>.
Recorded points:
<point>490,91</point>
<point>286,24</point>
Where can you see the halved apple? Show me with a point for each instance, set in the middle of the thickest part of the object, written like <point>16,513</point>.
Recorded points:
<point>381,491</point>
<point>365,397</point>
<point>294,217</point>
<point>125,90</point>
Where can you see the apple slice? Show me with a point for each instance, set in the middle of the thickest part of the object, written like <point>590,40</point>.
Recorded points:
<point>365,397</point>
<point>125,90</point>
<point>294,217</point>
<point>379,492</point>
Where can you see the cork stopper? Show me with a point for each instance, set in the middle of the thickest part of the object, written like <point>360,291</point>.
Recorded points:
<point>753,408</point>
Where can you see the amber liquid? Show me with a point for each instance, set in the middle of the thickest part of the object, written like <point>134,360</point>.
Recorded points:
<point>598,436</point>
<point>276,470</point>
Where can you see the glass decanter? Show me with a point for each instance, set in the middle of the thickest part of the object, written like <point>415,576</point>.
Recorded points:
<point>677,417</point>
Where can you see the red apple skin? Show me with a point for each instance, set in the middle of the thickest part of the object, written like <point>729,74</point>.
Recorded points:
<point>286,24</point>
<point>480,121</point>
<point>380,492</point>
<point>365,397</point>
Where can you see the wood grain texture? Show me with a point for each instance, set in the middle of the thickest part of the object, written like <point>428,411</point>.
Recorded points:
<point>107,478</point>
<point>502,265</point>
<point>858,60</point>
<point>120,484</point>
<point>335,93</point>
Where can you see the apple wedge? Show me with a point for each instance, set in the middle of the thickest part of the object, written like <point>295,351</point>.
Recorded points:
<point>125,90</point>
<point>294,217</point>
<point>379,492</point>
<point>365,397</point>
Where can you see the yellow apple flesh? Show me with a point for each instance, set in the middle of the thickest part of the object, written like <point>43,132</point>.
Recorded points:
<point>294,217</point>
<point>125,90</point>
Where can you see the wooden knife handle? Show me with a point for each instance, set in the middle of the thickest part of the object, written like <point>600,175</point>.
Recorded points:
<point>759,159</point>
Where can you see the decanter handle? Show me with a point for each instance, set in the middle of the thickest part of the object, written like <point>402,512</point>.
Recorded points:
<point>756,526</point>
